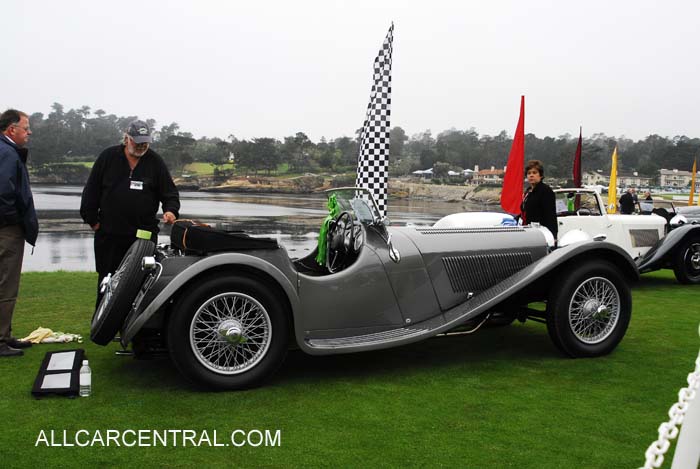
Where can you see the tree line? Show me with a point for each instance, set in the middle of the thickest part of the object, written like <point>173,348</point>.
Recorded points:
<point>81,134</point>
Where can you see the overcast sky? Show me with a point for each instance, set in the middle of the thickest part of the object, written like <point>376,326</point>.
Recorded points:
<point>272,68</point>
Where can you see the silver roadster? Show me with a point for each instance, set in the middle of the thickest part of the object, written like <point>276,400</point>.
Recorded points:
<point>227,306</point>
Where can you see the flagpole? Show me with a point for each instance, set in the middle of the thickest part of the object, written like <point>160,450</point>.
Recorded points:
<point>512,191</point>
<point>373,152</point>
<point>692,183</point>
<point>577,160</point>
<point>612,187</point>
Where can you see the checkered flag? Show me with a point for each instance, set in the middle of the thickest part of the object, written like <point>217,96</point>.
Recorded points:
<point>373,158</point>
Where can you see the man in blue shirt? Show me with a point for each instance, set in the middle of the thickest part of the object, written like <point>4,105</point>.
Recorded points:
<point>18,222</point>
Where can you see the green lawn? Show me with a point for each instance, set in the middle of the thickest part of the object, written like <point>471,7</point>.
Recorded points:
<point>503,397</point>
<point>87,164</point>
<point>204,169</point>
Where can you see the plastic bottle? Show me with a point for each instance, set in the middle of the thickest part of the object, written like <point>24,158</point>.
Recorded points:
<point>85,379</point>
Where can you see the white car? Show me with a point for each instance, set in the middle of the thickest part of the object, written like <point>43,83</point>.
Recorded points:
<point>654,242</point>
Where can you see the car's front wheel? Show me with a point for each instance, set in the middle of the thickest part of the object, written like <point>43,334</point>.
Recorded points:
<point>229,332</point>
<point>589,310</point>
<point>686,262</point>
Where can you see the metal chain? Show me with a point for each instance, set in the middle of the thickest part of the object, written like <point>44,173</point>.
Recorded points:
<point>668,431</point>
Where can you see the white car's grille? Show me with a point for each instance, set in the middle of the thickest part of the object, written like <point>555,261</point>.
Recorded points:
<point>644,238</point>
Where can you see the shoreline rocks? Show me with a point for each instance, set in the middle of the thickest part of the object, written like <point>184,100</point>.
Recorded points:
<point>399,188</point>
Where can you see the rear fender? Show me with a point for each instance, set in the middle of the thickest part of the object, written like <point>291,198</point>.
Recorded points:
<point>209,264</point>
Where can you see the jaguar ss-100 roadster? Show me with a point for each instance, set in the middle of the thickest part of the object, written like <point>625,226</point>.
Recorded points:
<point>227,306</point>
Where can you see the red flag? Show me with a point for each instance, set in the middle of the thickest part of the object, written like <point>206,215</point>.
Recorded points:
<point>577,161</point>
<point>512,193</point>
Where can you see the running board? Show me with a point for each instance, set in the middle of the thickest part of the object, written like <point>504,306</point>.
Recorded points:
<point>366,340</point>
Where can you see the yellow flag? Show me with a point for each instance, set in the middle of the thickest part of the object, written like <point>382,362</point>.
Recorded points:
<point>692,184</point>
<point>612,188</point>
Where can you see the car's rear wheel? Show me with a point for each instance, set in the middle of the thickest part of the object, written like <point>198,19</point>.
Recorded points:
<point>686,262</point>
<point>589,310</point>
<point>229,332</point>
<point>121,290</point>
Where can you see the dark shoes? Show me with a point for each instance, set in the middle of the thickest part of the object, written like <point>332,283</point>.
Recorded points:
<point>16,343</point>
<point>7,351</point>
<point>12,347</point>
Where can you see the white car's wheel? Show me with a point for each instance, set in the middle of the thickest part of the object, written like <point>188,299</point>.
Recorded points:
<point>589,310</point>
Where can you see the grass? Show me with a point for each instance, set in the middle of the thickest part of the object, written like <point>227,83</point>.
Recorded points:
<point>87,164</point>
<point>503,397</point>
<point>204,169</point>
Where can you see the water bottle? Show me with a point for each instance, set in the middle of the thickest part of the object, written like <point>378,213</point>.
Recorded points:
<point>85,379</point>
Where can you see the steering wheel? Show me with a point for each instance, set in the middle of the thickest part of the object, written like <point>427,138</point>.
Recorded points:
<point>344,239</point>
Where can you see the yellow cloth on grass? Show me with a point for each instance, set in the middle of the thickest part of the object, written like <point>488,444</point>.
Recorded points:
<point>47,336</point>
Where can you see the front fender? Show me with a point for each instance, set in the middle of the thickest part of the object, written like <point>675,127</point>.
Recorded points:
<point>658,255</point>
<point>200,267</point>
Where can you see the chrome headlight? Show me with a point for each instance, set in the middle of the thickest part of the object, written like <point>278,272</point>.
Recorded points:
<point>148,263</point>
<point>574,236</point>
<point>678,220</point>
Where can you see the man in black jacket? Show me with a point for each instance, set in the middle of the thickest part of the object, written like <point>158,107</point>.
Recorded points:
<point>122,195</point>
<point>627,202</point>
<point>18,222</point>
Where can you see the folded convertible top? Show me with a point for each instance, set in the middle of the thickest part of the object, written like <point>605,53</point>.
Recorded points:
<point>191,236</point>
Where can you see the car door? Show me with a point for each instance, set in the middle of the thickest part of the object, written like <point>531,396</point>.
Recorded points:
<point>581,210</point>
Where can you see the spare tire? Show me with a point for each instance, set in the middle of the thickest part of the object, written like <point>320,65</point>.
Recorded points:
<point>686,261</point>
<point>121,291</point>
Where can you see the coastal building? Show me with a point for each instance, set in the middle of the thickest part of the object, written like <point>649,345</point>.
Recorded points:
<point>424,173</point>
<point>676,178</point>
<point>492,176</point>
<point>591,178</point>
<point>634,180</point>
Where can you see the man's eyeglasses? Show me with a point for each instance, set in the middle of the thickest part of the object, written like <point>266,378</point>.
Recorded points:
<point>26,129</point>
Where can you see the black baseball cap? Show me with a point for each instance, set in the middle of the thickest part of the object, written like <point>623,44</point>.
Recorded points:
<point>139,132</point>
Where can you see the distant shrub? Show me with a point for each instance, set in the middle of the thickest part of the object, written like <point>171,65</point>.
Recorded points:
<point>307,183</point>
<point>343,180</point>
<point>61,173</point>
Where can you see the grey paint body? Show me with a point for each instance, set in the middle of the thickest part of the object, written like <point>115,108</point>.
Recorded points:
<point>445,277</point>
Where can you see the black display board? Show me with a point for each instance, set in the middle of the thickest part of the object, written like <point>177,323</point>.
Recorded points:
<point>59,374</point>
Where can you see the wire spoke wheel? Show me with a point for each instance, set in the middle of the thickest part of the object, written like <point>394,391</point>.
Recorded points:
<point>230,333</point>
<point>589,309</point>
<point>594,310</point>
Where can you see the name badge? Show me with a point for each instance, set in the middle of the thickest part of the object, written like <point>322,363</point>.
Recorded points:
<point>136,185</point>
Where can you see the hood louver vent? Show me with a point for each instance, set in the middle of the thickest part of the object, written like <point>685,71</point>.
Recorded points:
<point>480,271</point>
